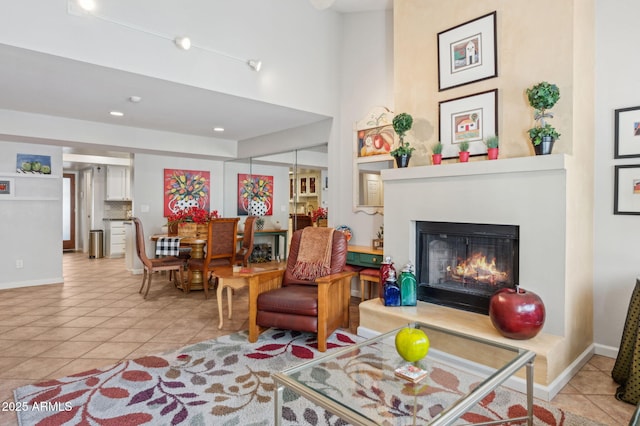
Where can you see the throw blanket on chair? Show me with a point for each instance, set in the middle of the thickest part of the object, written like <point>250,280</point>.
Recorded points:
<point>314,257</point>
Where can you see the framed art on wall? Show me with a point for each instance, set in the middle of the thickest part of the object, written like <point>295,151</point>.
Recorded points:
<point>626,193</point>
<point>255,195</point>
<point>469,118</point>
<point>468,52</point>
<point>7,187</point>
<point>627,132</point>
<point>184,189</point>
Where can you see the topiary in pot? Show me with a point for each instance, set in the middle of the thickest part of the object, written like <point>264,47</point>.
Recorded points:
<point>402,124</point>
<point>542,97</point>
<point>436,158</point>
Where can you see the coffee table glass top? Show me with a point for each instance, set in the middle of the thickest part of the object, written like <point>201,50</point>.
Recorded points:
<point>359,383</point>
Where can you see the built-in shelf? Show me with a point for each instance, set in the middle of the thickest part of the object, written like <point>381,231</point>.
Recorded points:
<point>30,175</point>
<point>29,199</point>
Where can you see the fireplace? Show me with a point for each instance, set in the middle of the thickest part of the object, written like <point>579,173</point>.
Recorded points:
<point>461,265</point>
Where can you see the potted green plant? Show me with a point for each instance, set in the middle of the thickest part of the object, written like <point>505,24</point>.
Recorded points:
<point>402,153</point>
<point>542,97</point>
<point>463,147</point>
<point>260,223</point>
<point>436,157</point>
<point>492,143</point>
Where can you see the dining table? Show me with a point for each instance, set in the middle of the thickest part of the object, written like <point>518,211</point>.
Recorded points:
<point>197,252</point>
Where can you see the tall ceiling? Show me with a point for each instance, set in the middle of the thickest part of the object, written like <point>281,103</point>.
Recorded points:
<point>40,83</point>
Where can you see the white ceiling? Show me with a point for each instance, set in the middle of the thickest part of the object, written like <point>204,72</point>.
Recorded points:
<point>45,84</point>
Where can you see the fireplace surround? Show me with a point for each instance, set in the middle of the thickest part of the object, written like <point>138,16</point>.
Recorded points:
<point>545,198</point>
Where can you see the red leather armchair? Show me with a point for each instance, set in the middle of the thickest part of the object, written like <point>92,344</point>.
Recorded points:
<point>321,306</point>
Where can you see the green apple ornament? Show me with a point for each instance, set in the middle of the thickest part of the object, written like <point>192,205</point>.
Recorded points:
<point>412,344</point>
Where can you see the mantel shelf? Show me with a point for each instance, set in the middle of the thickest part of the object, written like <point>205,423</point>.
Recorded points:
<point>30,175</point>
<point>508,165</point>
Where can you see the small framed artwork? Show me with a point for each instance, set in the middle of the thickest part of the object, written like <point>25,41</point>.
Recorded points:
<point>626,193</point>
<point>375,134</point>
<point>469,118</point>
<point>468,52</point>
<point>7,187</point>
<point>33,164</point>
<point>627,132</point>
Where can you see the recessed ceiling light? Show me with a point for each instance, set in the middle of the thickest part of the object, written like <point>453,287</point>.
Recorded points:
<point>218,129</point>
<point>116,113</point>
<point>135,99</point>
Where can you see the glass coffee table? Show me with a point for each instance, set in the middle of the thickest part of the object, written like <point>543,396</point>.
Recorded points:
<point>359,383</point>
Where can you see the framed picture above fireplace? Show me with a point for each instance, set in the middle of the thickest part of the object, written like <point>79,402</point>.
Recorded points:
<point>468,118</point>
<point>626,193</point>
<point>468,52</point>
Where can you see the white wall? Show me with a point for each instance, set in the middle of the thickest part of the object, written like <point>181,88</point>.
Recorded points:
<point>31,222</point>
<point>617,237</point>
<point>367,81</point>
<point>148,188</point>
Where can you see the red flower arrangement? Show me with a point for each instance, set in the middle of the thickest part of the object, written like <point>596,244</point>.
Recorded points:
<point>319,213</point>
<point>192,215</point>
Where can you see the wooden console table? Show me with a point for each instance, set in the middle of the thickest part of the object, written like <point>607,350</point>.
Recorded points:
<point>276,234</point>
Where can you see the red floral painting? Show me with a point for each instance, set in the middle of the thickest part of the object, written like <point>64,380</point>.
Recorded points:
<point>184,189</point>
<point>255,195</point>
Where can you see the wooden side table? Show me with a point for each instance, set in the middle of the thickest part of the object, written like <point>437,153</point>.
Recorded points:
<point>245,277</point>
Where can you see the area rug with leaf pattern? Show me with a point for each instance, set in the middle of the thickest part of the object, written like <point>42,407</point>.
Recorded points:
<point>227,381</point>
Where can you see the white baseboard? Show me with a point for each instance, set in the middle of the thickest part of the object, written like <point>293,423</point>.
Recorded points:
<point>544,392</point>
<point>6,286</point>
<point>608,351</point>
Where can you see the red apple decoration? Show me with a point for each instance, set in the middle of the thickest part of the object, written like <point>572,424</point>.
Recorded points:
<point>517,313</point>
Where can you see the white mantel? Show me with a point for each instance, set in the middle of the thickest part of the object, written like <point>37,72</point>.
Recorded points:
<point>530,192</point>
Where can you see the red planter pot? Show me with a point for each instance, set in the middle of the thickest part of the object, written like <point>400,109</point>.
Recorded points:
<point>464,156</point>
<point>492,153</point>
<point>436,159</point>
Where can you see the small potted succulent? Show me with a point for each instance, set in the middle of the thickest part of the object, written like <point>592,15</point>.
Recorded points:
<point>260,223</point>
<point>436,157</point>
<point>463,147</point>
<point>492,143</point>
<point>542,97</point>
<point>402,153</point>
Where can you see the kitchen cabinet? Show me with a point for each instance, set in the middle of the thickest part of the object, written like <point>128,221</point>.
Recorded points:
<point>116,238</point>
<point>118,183</point>
<point>308,185</point>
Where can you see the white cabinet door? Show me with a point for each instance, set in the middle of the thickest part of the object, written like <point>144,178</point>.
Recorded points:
<point>118,183</point>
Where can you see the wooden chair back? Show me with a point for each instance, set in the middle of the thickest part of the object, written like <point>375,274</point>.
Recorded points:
<point>222,240</point>
<point>300,221</point>
<point>141,249</point>
<point>242,256</point>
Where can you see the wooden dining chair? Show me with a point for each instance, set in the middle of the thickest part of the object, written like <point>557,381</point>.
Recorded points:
<point>246,248</point>
<point>222,240</point>
<point>167,263</point>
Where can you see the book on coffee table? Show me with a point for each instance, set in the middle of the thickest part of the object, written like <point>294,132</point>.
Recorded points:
<point>411,372</point>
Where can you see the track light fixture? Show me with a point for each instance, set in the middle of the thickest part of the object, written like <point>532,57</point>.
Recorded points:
<point>87,7</point>
<point>183,43</point>
<point>255,64</point>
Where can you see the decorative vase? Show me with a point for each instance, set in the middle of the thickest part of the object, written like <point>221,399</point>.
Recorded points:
<point>259,224</point>
<point>436,159</point>
<point>258,208</point>
<point>402,160</point>
<point>517,313</point>
<point>464,156</point>
<point>545,147</point>
<point>492,153</point>
<point>172,229</point>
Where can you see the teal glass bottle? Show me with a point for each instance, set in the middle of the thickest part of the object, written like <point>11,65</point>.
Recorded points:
<point>408,285</point>
<point>391,290</point>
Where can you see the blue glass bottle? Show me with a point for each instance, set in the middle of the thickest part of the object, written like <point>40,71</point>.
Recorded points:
<point>408,285</point>
<point>391,290</point>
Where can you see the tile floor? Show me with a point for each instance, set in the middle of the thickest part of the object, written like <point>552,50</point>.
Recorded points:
<point>97,318</point>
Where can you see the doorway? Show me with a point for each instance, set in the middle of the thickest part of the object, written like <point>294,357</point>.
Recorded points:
<point>68,212</point>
